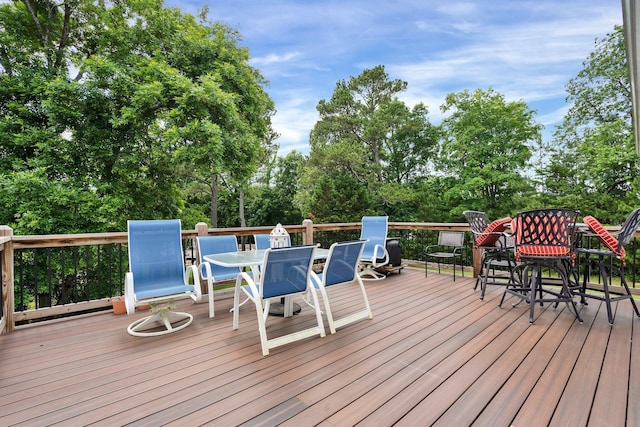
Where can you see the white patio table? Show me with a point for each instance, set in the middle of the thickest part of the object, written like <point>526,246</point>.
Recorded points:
<point>253,259</point>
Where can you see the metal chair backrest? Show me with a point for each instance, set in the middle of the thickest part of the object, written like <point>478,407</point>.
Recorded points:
<point>629,228</point>
<point>488,235</point>
<point>342,262</point>
<point>451,239</point>
<point>286,271</point>
<point>155,254</point>
<point>478,221</point>
<point>550,228</point>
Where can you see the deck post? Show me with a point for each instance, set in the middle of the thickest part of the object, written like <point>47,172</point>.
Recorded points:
<point>307,233</point>
<point>6,255</point>
<point>477,261</point>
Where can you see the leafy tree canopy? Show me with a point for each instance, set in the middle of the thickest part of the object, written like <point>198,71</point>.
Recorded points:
<point>370,138</point>
<point>486,147</point>
<point>111,100</point>
<point>593,165</point>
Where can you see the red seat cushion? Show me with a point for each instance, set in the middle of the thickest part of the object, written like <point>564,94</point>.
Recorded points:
<point>604,236</point>
<point>543,250</point>
<point>492,233</point>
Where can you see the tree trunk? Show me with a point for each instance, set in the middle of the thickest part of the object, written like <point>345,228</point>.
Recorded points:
<point>376,160</point>
<point>214,201</point>
<point>243,222</point>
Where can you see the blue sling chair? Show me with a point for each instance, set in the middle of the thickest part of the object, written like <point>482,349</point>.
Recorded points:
<point>157,276</point>
<point>374,254</point>
<point>285,272</point>
<point>341,268</point>
<point>214,273</point>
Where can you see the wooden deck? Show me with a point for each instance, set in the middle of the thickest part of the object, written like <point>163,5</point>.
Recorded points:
<point>434,354</point>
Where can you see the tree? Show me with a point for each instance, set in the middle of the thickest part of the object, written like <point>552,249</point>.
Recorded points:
<point>273,202</point>
<point>412,144</point>
<point>487,144</point>
<point>114,101</point>
<point>366,135</point>
<point>594,164</point>
<point>356,113</point>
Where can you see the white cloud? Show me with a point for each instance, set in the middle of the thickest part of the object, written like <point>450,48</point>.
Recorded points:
<point>273,58</point>
<point>530,61</point>
<point>526,49</point>
<point>294,119</point>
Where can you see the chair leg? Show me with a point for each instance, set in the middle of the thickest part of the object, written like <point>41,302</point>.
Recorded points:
<point>566,286</point>
<point>327,309</point>
<point>586,276</point>
<point>262,325</point>
<point>483,286</point>
<point>605,284</point>
<point>633,301</point>
<point>605,287</point>
<point>565,294</point>
<point>210,290</point>
<point>485,263</point>
<point>608,298</point>
<point>535,283</point>
<point>426,265</point>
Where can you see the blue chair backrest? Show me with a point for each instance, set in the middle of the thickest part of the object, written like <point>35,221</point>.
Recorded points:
<point>262,241</point>
<point>286,271</point>
<point>208,245</point>
<point>155,253</point>
<point>374,228</point>
<point>342,262</point>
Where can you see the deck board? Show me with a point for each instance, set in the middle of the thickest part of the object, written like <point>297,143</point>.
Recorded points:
<point>609,404</point>
<point>433,354</point>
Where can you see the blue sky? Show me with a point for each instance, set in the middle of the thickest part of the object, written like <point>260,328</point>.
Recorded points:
<point>526,50</point>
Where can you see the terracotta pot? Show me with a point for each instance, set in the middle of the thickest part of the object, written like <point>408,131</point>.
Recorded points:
<point>118,305</point>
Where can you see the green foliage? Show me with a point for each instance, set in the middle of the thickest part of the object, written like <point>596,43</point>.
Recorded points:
<point>486,147</point>
<point>104,104</point>
<point>368,136</point>
<point>338,198</point>
<point>593,164</point>
<point>111,111</point>
<point>272,202</point>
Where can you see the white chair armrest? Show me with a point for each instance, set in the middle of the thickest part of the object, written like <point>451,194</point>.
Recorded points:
<point>129,297</point>
<point>376,255</point>
<point>205,271</point>
<point>196,282</point>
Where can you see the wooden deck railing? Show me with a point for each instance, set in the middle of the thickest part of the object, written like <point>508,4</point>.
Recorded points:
<point>59,275</point>
<point>6,278</point>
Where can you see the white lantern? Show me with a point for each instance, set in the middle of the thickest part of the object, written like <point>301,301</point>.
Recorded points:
<point>279,238</point>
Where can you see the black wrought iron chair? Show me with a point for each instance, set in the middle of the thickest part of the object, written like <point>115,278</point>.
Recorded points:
<point>610,261</point>
<point>544,242</point>
<point>450,246</point>
<point>497,262</point>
